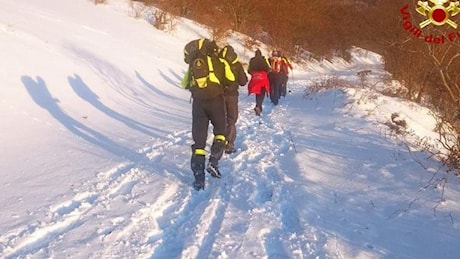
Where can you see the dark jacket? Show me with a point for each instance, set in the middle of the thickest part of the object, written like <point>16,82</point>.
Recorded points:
<point>241,79</point>
<point>258,63</point>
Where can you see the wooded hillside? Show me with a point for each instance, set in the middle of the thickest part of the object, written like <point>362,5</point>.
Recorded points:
<point>426,60</point>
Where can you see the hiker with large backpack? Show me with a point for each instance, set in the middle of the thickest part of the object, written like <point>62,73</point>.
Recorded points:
<point>205,78</point>
<point>285,67</point>
<point>275,77</point>
<point>259,83</point>
<point>231,95</point>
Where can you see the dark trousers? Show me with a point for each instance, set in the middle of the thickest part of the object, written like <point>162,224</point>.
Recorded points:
<point>260,98</point>
<point>203,112</point>
<point>275,86</point>
<point>231,105</point>
<point>284,80</point>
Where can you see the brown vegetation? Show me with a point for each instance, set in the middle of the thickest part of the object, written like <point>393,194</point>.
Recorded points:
<point>430,71</point>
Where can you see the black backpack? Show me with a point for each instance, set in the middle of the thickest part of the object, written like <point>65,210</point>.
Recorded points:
<point>229,54</point>
<point>199,70</point>
<point>191,48</point>
<point>195,54</point>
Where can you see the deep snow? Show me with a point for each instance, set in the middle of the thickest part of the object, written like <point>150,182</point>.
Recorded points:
<point>96,146</point>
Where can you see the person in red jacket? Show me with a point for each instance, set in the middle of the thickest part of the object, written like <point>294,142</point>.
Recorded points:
<point>259,84</point>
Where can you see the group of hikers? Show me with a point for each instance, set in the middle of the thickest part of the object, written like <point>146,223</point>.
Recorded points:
<point>214,77</point>
<point>268,76</point>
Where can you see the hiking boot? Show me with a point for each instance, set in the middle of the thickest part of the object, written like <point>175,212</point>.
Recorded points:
<point>198,184</point>
<point>258,111</point>
<point>229,149</point>
<point>213,170</point>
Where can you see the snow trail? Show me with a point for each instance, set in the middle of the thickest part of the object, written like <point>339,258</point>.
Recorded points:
<point>97,162</point>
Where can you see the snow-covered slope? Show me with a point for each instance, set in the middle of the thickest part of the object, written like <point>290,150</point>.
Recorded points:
<point>95,153</point>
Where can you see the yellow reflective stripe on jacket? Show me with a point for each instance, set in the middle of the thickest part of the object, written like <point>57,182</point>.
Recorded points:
<point>228,71</point>
<point>220,138</point>
<point>200,43</point>
<point>200,152</point>
<point>212,76</point>
<point>285,60</point>
<point>224,53</point>
<point>266,61</point>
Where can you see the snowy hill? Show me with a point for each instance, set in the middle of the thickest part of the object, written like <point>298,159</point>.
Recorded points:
<point>96,139</point>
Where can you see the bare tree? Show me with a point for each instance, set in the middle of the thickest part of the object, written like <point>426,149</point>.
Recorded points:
<point>242,12</point>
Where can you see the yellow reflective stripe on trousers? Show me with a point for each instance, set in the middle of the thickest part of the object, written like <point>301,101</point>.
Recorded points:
<point>200,152</point>
<point>220,138</point>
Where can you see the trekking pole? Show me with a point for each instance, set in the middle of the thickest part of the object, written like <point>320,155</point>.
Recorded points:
<point>292,71</point>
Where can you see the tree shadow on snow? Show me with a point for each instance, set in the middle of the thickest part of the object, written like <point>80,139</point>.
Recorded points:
<point>40,94</point>
<point>362,195</point>
<point>85,93</point>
